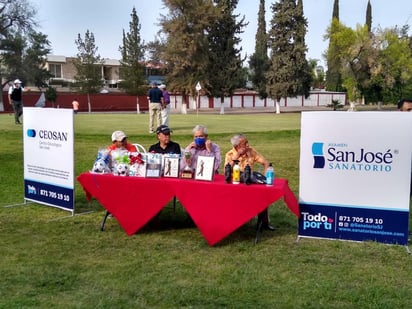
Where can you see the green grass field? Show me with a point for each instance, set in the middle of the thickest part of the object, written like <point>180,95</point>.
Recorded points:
<point>50,259</point>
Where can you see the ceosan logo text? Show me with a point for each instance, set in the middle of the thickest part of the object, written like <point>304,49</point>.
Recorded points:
<point>53,135</point>
<point>361,160</point>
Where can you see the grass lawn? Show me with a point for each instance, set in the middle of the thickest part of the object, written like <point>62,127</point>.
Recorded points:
<point>50,259</point>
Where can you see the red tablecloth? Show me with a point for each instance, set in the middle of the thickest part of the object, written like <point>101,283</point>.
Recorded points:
<point>217,208</point>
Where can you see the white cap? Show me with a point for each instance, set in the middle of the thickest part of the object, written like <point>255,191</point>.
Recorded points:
<point>17,81</point>
<point>162,86</point>
<point>118,136</point>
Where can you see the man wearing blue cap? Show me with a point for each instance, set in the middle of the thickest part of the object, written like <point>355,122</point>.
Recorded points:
<point>155,98</point>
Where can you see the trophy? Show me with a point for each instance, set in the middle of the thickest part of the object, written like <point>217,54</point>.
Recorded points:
<point>187,172</point>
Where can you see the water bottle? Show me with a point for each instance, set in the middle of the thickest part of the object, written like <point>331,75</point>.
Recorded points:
<point>247,174</point>
<point>270,175</point>
<point>236,173</point>
<point>228,173</point>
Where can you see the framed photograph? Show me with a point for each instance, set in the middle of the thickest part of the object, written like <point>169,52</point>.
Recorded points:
<point>153,165</point>
<point>171,166</point>
<point>205,168</point>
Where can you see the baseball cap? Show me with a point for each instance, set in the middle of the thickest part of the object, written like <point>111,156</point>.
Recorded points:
<point>162,86</point>
<point>163,129</point>
<point>118,136</point>
<point>17,81</point>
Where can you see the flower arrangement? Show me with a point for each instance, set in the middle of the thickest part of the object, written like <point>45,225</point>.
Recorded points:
<point>137,165</point>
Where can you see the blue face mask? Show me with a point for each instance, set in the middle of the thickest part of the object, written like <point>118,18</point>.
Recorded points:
<point>200,141</point>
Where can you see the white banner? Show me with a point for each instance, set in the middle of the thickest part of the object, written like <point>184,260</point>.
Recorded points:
<point>49,156</point>
<point>355,171</point>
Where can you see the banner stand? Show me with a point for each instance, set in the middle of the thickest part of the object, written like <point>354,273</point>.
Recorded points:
<point>73,215</point>
<point>22,204</point>
<point>408,251</point>
<point>354,181</point>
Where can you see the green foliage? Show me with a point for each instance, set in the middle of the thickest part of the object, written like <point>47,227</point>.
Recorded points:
<point>289,73</point>
<point>368,21</point>
<point>187,48</point>
<point>259,61</point>
<point>88,64</point>
<point>335,105</point>
<point>224,62</point>
<point>51,94</point>
<point>132,70</point>
<point>54,260</point>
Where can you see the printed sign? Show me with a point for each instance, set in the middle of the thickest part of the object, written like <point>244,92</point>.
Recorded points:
<point>49,156</point>
<point>355,175</point>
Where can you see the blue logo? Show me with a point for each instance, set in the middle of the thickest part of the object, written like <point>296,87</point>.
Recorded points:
<point>318,157</point>
<point>31,133</point>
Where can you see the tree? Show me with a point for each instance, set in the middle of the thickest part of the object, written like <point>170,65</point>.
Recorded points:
<point>51,95</point>
<point>391,73</point>
<point>224,60</point>
<point>17,17</point>
<point>358,54</point>
<point>368,21</point>
<point>334,64</point>
<point>289,73</point>
<point>259,61</point>
<point>186,51</point>
<point>132,68</point>
<point>88,65</point>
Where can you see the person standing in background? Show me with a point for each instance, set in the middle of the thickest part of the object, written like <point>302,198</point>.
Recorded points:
<point>155,98</point>
<point>75,104</point>
<point>16,99</point>
<point>165,105</point>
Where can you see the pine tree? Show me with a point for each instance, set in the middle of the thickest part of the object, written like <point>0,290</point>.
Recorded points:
<point>88,66</point>
<point>259,61</point>
<point>289,73</point>
<point>132,70</point>
<point>333,75</point>
<point>368,21</point>
<point>186,50</point>
<point>225,63</point>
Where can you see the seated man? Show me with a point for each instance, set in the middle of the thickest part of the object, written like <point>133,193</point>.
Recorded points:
<point>246,155</point>
<point>119,142</point>
<point>203,146</point>
<point>165,144</point>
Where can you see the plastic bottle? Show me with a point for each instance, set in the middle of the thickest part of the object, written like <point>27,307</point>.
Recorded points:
<point>247,174</point>
<point>228,173</point>
<point>270,175</point>
<point>236,173</point>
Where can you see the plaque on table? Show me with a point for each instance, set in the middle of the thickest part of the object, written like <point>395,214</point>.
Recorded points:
<point>187,172</point>
<point>205,168</point>
<point>171,166</point>
<point>153,165</point>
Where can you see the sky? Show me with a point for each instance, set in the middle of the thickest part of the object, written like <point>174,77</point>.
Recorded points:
<point>62,21</point>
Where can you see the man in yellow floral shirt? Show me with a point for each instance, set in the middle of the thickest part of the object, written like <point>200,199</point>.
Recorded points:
<point>245,154</point>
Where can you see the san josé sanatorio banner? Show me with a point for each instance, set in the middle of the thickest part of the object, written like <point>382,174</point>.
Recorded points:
<point>49,156</point>
<point>355,170</point>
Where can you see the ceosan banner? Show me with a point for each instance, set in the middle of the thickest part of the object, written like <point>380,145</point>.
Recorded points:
<point>355,173</point>
<point>49,156</point>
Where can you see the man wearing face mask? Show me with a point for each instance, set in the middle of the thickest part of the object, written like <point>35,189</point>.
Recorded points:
<point>202,146</point>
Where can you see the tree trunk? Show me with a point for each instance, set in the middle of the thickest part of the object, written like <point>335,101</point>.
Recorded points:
<point>222,105</point>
